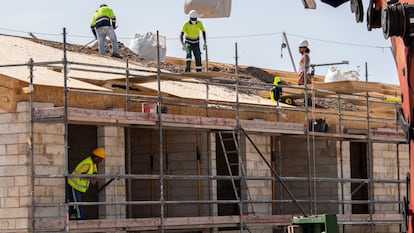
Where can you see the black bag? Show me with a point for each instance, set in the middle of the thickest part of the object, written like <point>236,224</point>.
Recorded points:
<point>319,125</point>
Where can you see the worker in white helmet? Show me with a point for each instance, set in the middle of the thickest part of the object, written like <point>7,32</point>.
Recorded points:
<point>304,63</point>
<point>192,29</point>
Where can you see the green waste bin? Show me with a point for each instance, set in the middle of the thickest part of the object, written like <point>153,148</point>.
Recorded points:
<point>325,223</point>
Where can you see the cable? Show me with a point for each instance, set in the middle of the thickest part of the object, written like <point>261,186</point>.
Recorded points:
<point>342,43</point>
<point>222,37</point>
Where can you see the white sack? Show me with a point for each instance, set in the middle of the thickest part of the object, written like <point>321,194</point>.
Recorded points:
<point>209,8</point>
<point>145,45</point>
<point>340,75</point>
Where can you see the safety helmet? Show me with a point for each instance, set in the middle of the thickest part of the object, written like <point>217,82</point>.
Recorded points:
<point>193,14</point>
<point>100,152</point>
<point>303,43</point>
<point>276,80</point>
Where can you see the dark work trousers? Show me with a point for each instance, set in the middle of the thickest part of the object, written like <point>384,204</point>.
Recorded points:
<point>75,211</point>
<point>195,49</point>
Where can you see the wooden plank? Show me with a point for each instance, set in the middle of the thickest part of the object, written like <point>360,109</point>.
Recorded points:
<point>169,120</point>
<point>349,87</point>
<point>388,135</point>
<point>142,224</point>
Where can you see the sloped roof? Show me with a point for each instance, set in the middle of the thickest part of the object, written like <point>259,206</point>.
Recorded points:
<point>15,50</point>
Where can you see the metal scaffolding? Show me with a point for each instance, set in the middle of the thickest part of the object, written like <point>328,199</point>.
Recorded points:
<point>244,221</point>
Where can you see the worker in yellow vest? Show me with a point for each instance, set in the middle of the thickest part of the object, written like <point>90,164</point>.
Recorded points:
<point>103,25</point>
<point>192,29</point>
<point>276,91</point>
<point>76,186</point>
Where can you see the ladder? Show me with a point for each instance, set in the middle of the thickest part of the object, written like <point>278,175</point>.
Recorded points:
<point>230,148</point>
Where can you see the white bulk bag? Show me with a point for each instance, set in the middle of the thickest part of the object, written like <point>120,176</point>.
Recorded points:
<point>145,45</point>
<point>340,75</point>
<point>209,8</point>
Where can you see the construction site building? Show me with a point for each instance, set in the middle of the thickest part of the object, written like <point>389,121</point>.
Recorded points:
<point>192,152</point>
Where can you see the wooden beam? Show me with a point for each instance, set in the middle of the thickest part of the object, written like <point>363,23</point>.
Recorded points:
<point>143,224</point>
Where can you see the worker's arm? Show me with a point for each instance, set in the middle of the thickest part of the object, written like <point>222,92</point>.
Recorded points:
<point>83,170</point>
<point>182,40</point>
<point>93,31</point>
<point>114,22</point>
<point>93,22</point>
<point>204,37</point>
<point>205,40</point>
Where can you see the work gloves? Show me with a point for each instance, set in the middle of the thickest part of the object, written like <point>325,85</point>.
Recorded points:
<point>205,46</point>
<point>183,47</point>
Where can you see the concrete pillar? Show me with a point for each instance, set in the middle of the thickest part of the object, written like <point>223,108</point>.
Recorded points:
<point>113,140</point>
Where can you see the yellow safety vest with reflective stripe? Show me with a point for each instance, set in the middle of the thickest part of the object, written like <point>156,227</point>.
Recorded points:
<point>82,184</point>
<point>192,31</point>
<point>103,17</point>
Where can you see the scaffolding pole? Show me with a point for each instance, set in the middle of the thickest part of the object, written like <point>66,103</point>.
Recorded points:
<point>162,177</point>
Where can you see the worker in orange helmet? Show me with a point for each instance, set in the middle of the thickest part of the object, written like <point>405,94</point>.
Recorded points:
<point>191,29</point>
<point>76,186</point>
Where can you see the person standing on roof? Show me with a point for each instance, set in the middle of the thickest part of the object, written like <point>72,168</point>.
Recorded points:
<point>192,29</point>
<point>304,63</point>
<point>103,25</point>
<point>76,186</point>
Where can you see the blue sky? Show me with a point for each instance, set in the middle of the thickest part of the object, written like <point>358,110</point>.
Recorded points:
<point>256,27</point>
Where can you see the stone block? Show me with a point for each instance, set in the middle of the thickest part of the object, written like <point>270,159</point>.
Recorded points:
<point>22,223</point>
<point>49,128</point>
<point>10,213</point>
<point>21,180</point>
<point>13,192</point>
<point>23,117</point>
<point>112,131</point>
<point>10,202</point>
<point>6,160</point>
<point>2,150</point>
<point>7,224</point>
<point>14,171</point>
<point>9,139</point>
<point>12,149</point>
<point>7,117</point>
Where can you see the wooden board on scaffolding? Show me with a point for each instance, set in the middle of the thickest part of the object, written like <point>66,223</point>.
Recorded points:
<point>148,224</point>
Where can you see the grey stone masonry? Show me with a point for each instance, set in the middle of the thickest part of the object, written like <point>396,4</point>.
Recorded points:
<point>16,170</point>
<point>113,140</point>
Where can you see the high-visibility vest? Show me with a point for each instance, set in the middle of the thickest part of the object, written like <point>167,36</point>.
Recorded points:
<point>82,184</point>
<point>103,17</point>
<point>192,31</point>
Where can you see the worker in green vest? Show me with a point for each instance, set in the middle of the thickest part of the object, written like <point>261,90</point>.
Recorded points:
<point>76,186</point>
<point>192,29</point>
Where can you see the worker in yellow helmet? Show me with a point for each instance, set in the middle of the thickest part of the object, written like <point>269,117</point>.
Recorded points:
<point>192,29</point>
<point>276,91</point>
<point>76,186</point>
<point>103,25</point>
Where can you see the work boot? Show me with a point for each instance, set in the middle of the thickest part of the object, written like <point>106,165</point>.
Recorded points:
<point>116,55</point>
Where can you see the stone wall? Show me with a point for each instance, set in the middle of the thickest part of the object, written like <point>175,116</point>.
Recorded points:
<point>184,154</point>
<point>291,160</point>
<point>15,197</point>
<point>113,140</point>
